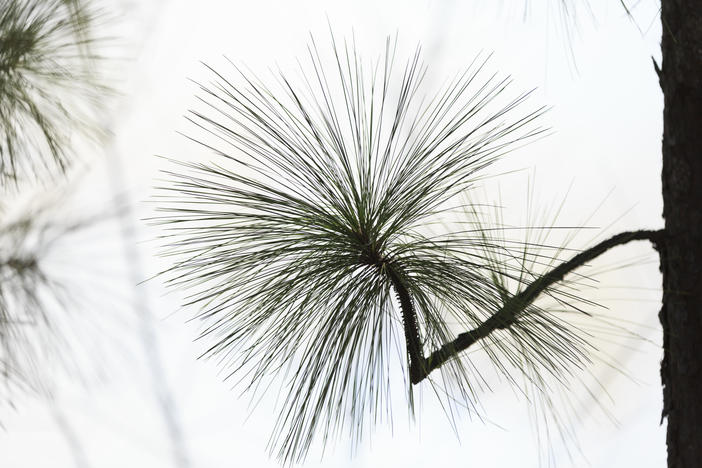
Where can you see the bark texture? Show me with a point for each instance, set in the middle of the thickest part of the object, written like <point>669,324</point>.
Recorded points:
<point>413,341</point>
<point>681,254</point>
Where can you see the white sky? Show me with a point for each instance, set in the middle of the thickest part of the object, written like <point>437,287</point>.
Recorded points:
<point>606,119</point>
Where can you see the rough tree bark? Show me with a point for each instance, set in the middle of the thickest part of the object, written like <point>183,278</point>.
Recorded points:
<point>681,258</point>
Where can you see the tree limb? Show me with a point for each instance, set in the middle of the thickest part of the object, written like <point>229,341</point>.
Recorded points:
<point>509,312</point>
<point>417,363</point>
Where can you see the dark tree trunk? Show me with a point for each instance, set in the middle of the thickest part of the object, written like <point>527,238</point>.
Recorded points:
<point>681,254</point>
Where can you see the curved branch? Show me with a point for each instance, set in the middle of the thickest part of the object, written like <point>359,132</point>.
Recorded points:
<point>417,363</point>
<point>507,315</point>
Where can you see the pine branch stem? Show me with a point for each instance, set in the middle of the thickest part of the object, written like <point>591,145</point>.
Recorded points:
<point>417,363</point>
<point>509,312</point>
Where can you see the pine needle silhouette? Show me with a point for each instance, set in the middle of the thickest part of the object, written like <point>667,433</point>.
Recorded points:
<point>49,92</point>
<point>307,242</point>
<point>45,294</point>
<point>49,98</point>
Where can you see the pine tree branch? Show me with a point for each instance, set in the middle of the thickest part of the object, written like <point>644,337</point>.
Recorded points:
<point>509,312</point>
<point>417,362</point>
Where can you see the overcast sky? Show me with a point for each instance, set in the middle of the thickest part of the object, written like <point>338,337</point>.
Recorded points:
<point>603,152</point>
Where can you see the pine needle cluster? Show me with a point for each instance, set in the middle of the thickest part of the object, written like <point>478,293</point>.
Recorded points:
<point>49,93</point>
<point>305,242</point>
